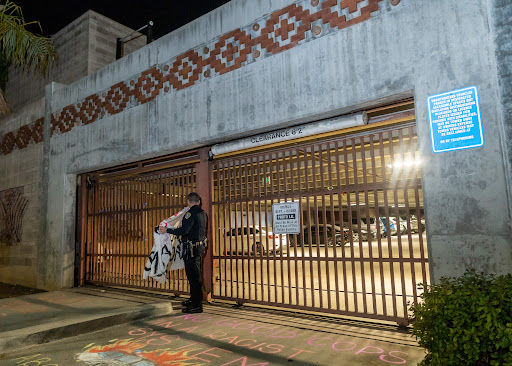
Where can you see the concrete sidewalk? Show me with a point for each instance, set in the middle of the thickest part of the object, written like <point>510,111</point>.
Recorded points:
<point>223,335</point>
<point>44,317</point>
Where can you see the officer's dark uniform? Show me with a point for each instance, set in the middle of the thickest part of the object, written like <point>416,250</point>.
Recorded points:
<point>193,236</point>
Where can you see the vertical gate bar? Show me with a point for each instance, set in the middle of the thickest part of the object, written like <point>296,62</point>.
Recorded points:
<point>103,233</point>
<point>377,208</point>
<point>94,231</point>
<point>226,217</point>
<point>399,236</point>
<point>261,188</point>
<point>151,215</point>
<point>267,257</point>
<point>204,180</point>
<point>145,225</point>
<point>222,233</point>
<point>254,234</point>
<point>161,212</point>
<point>182,181</point>
<point>309,241</point>
<point>317,223</point>
<point>301,239</point>
<point>149,219</point>
<point>326,238</point>
<point>240,197</point>
<point>342,226</point>
<point>134,206</point>
<point>333,223</point>
<point>411,249</point>
<point>83,228</point>
<point>129,234</point>
<point>230,218</point>
<point>97,230</point>
<point>176,275</point>
<point>271,243</point>
<point>123,231</point>
<point>295,162</point>
<point>191,187</point>
<point>237,228</point>
<point>280,169</point>
<point>368,229</point>
<point>357,193</point>
<point>250,228</point>
<point>417,185</point>
<point>105,228</point>
<point>414,171</point>
<point>349,211</point>
<point>110,233</point>
<point>139,240</point>
<point>399,228</point>
<point>90,232</point>
<point>388,226</point>
<point>288,189</point>
<point>120,234</point>
<point>168,204</point>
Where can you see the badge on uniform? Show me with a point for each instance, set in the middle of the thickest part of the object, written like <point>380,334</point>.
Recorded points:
<point>187,215</point>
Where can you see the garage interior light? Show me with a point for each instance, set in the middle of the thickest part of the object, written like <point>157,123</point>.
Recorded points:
<point>405,163</point>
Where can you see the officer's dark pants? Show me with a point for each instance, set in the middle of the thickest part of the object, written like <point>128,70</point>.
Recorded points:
<point>194,276</point>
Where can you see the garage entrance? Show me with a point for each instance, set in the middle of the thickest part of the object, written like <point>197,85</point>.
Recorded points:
<point>123,207</point>
<point>362,248</point>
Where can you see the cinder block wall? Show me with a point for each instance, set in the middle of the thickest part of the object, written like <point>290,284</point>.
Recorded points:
<point>23,168</point>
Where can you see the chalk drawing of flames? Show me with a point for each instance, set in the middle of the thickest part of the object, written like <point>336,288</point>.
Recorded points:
<point>130,353</point>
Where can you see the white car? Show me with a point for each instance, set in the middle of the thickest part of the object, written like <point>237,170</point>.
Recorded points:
<point>253,239</point>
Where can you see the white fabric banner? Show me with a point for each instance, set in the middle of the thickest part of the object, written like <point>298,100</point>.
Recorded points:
<point>166,250</point>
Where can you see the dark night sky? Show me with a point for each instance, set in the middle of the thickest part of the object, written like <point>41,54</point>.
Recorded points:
<point>166,14</point>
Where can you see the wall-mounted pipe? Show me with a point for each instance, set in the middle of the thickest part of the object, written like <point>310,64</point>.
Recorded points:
<point>291,133</point>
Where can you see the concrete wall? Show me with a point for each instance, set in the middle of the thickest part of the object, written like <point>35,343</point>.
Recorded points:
<point>415,48</point>
<point>22,168</point>
<point>103,33</point>
<point>501,21</point>
<point>84,46</point>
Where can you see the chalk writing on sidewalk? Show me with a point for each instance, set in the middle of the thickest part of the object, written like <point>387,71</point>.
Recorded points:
<point>35,360</point>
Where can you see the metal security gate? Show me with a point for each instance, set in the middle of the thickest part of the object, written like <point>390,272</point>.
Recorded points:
<point>362,248</point>
<point>119,220</point>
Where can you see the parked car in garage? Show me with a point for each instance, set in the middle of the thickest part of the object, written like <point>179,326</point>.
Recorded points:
<point>253,239</point>
<point>322,240</point>
<point>363,232</point>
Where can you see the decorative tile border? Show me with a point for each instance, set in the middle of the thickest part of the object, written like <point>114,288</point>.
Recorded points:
<point>282,30</point>
<point>25,135</point>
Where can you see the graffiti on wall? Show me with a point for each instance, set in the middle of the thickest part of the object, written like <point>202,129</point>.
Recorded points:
<point>12,209</point>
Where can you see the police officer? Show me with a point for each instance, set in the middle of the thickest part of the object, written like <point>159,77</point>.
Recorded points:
<point>193,237</point>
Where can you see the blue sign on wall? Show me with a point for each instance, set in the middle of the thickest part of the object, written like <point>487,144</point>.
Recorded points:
<point>455,120</point>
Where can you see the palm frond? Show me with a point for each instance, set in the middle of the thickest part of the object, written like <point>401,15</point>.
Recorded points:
<point>21,47</point>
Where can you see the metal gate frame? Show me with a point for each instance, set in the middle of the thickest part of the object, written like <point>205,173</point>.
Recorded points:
<point>196,160</point>
<point>365,187</point>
